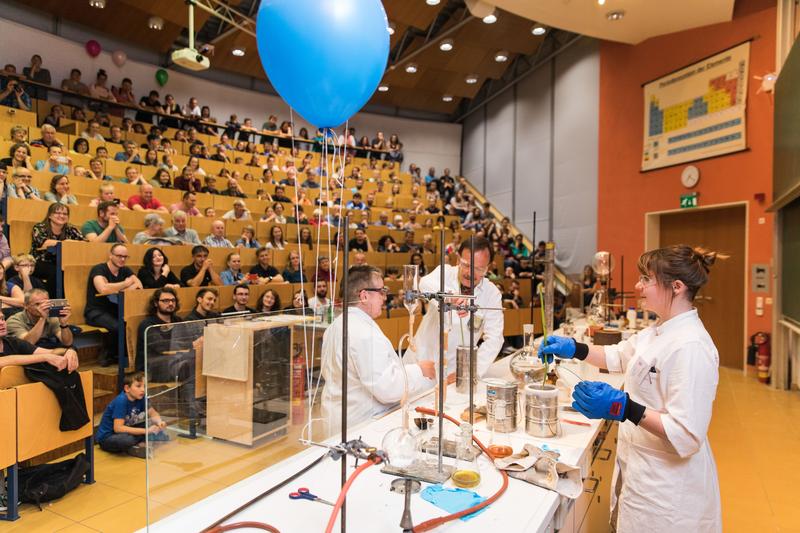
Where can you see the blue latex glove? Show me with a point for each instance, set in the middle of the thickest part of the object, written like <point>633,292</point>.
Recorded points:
<point>564,347</point>
<point>453,500</point>
<point>595,399</point>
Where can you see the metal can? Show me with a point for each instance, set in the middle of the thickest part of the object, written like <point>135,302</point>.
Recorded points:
<point>506,392</point>
<point>462,368</point>
<point>541,410</point>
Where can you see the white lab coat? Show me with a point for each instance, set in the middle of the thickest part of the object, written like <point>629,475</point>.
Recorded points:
<point>426,337</point>
<point>668,485</point>
<point>375,374</point>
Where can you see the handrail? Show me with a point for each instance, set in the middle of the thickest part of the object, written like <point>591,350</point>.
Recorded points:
<point>565,285</point>
<point>127,107</point>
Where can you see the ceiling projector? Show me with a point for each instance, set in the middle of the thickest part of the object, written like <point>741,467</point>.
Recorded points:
<point>191,59</point>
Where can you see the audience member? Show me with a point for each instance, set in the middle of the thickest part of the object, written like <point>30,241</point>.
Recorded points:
<point>270,302</point>
<point>241,297</point>
<point>59,191</point>
<point>145,201</point>
<point>44,236</point>
<point>35,72</point>
<point>104,282</point>
<point>12,94</point>
<point>56,162</point>
<point>153,234</point>
<point>155,272</point>
<point>188,205</point>
<point>293,273</point>
<point>263,269</point>
<point>248,238</point>
<point>217,237</point>
<point>239,211</point>
<point>201,272</point>
<point>206,302</point>
<point>232,275</point>
<point>35,325</point>
<point>75,85</point>
<point>180,231</point>
<point>106,227</point>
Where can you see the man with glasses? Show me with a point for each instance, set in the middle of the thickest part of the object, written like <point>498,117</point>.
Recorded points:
<point>21,186</point>
<point>161,310</point>
<point>488,318</point>
<point>105,281</point>
<point>375,372</point>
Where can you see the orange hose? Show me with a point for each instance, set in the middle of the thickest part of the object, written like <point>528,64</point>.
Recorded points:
<point>242,525</point>
<point>436,522</point>
<point>343,493</point>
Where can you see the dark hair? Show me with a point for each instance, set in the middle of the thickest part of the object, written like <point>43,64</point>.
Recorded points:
<point>310,240</point>
<point>274,307</point>
<point>128,80</point>
<point>80,140</point>
<point>153,307</point>
<point>477,244</point>
<point>102,207</point>
<point>187,194</point>
<point>102,72</point>
<point>272,235</point>
<point>198,249</point>
<point>158,175</point>
<point>422,269</point>
<point>17,146</point>
<point>205,290</point>
<point>679,262</point>
<point>130,379</point>
<point>55,205</point>
<point>359,278</point>
<point>241,286</point>
<point>147,260</point>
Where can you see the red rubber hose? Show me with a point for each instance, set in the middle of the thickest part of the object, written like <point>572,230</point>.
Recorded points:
<point>242,525</point>
<point>436,522</point>
<point>343,493</point>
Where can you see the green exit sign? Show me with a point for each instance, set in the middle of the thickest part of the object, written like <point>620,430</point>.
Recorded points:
<point>688,200</point>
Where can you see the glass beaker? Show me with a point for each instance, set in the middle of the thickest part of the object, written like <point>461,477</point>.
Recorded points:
<point>466,475</point>
<point>411,287</point>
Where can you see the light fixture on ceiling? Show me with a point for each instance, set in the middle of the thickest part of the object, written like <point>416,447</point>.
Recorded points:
<point>97,4</point>
<point>446,45</point>
<point>383,88</point>
<point>601,2</point>
<point>491,18</point>
<point>391,28</point>
<point>471,79</point>
<point>432,2</point>
<point>411,68</point>
<point>538,29</point>
<point>501,56</point>
<point>615,15</point>
<point>239,51</point>
<point>155,23</point>
<point>447,98</point>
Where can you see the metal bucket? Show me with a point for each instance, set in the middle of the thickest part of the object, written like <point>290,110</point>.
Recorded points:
<point>541,410</point>
<point>462,368</point>
<point>506,391</point>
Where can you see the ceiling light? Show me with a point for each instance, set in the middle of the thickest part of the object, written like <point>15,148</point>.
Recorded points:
<point>155,23</point>
<point>538,29</point>
<point>447,98</point>
<point>238,51</point>
<point>391,28</point>
<point>601,2</point>
<point>472,79</point>
<point>99,4</point>
<point>501,56</point>
<point>383,88</point>
<point>432,2</point>
<point>411,68</point>
<point>446,45</point>
<point>491,18</point>
<point>615,15</point>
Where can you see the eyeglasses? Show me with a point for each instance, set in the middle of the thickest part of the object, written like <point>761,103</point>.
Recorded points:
<point>382,290</point>
<point>121,256</point>
<point>167,300</point>
<point>478,270</point>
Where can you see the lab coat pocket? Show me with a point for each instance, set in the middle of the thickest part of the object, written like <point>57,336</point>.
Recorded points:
<point>643,383</point>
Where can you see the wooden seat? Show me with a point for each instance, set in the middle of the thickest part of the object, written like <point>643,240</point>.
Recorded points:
<point>8,448</point>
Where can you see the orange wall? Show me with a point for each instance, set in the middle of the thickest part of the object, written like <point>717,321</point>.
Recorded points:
<point>625,194</point>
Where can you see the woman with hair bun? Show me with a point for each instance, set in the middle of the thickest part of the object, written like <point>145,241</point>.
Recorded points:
<point>665,477</point>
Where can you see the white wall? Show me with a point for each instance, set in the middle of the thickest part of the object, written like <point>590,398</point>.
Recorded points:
<point>540,143</point>
<point>425,143</point>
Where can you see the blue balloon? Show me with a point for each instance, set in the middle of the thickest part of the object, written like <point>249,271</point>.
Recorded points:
<point>324,57</point>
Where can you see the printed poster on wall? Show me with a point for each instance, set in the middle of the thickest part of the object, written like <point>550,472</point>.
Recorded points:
<point>698,111</point>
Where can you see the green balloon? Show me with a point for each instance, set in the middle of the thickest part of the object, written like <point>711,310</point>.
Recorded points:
<point>162,76</point>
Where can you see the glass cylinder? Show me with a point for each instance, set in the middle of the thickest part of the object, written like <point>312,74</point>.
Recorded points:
<point>411,287</point>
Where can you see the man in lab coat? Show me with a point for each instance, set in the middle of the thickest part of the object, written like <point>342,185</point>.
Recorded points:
<point>375,372</point>
<point>488,318</point>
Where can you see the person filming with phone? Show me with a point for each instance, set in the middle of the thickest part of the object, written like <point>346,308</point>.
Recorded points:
<point>43,322</point>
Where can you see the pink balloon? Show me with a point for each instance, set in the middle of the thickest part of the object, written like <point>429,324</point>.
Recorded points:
<point>93,48</point>
<point>119,57</point>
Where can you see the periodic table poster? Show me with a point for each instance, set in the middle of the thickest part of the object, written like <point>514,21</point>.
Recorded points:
<point>698,111</point>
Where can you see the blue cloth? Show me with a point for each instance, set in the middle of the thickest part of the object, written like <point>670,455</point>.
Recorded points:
<point>229,278</point>
<point>453,500</point>
<point>44,164</point>
<point>133,412</point>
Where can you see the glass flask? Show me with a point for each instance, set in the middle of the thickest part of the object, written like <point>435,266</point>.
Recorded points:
<point>466,475</point>
<point>400,446</point>
<point>411,287</point>
<point>427,444</point>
